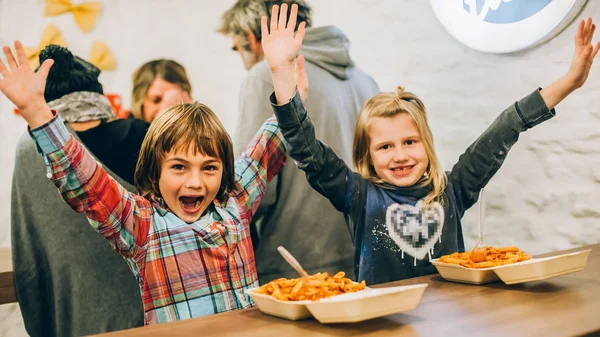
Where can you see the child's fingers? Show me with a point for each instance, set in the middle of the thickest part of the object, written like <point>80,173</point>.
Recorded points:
<point>587,27</point>
<point>595,51</point>
<point>300,78</point>
<point>274,12</point>
<point>282,16</point>
<point>10,59</point>
<point>293,16</point>
<point>21,57</point>
<point>586,53</point>
<point>300,62</point>
<point>590,34</point>
<point>45,68</point>
<point>264,29</point>
<point>579,34</point>
<point>299,66</point>
<point>301,31</point>
<point>3,71</point>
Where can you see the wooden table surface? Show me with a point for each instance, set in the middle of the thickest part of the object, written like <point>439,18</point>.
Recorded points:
<point>7,286</point>
<point>567,305</point>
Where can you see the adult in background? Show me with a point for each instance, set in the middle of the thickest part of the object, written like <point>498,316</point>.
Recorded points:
<point>156,85</point>
<point>292,214</point>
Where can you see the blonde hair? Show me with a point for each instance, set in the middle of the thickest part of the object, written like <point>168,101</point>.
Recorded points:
<point>143,77</point>
<point>180,127</point>
<point>389,104</point>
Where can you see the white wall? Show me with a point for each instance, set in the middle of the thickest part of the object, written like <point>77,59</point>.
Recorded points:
<point>543,199</point>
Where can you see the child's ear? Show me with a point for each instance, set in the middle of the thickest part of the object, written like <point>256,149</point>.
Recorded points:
<point>254,44</point>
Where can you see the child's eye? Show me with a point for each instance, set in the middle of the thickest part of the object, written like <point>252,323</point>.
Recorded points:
<point>410,142</point>
<point>178,167</point>
<point>385,147</point>
<point>211,168</point>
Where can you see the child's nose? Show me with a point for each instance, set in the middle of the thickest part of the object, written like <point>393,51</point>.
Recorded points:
<point>400,155</point>
<point>195,181</point>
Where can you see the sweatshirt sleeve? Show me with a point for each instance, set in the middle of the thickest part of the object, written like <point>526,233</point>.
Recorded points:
<point>325,171</point>
<point>122,217</point>
<point>478,164</point>
<point>264,157</point>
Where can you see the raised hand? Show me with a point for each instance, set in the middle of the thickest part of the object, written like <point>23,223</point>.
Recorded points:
<point>24,87</point>
<point>280,44</point>
<point>584,53</point>
<point>580,66</point>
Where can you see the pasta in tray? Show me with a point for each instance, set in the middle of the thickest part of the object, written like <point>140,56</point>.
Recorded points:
<point>491,257</point>
<point>314,287</point>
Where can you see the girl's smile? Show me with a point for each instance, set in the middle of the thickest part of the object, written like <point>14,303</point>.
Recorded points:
<point>397,153</point>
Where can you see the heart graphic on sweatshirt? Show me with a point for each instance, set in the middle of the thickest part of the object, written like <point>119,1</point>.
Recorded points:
<point>415,229</point>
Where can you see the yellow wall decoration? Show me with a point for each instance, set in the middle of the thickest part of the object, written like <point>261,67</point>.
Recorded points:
<point>101,57</point>
<point>51,35</point>
<point>85,14</point>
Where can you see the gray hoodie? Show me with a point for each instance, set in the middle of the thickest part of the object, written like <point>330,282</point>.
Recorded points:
<point>292,214</point>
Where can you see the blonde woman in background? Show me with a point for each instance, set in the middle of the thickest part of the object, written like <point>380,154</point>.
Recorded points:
<point>156,85</point>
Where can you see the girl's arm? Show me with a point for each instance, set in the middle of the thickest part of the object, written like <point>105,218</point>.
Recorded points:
<point>477,165</point>
<point>326,173</point>
<point>265,155</point>
<point>268,137</point>
<point>484,157</point>
<point>120,216</point>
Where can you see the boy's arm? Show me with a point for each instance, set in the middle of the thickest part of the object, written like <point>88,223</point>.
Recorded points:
<point>264,157</point>
<point>484,157</point>
<point>254,109</point>
<point>120,216</point>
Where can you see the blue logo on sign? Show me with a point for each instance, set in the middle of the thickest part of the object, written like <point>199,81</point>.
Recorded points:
<point>504,11</point>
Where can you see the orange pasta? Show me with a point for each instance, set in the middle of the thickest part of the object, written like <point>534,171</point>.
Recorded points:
<point>314,287</point>
<point>489,257</point>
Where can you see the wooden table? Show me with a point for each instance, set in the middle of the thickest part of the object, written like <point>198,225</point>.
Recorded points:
<point>567,305</point>
<point>7,285</point>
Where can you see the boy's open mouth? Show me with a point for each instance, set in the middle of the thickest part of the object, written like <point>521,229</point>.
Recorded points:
<point>190,204</point>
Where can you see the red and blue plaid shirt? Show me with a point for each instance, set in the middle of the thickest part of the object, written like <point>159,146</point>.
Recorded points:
<point>183,270</point>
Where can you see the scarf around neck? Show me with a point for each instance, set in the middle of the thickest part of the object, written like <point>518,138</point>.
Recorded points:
<point>83,106</point>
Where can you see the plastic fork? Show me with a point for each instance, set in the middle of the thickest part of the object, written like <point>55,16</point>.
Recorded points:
<point>478,251</point>
<point>291,260</point>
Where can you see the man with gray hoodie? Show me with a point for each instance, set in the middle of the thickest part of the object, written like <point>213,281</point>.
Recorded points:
<point>292,214</point>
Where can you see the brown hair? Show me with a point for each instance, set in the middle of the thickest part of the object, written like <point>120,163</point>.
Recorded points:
<point>389,104</point>
<point>143,77</point>
<point>177,128</point>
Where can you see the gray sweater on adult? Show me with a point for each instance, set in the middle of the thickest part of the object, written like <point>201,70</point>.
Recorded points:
<point>292,214</point>
<point>68,280</point>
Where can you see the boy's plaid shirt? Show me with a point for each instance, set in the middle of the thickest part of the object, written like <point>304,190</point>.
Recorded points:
<point>184,270</point>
